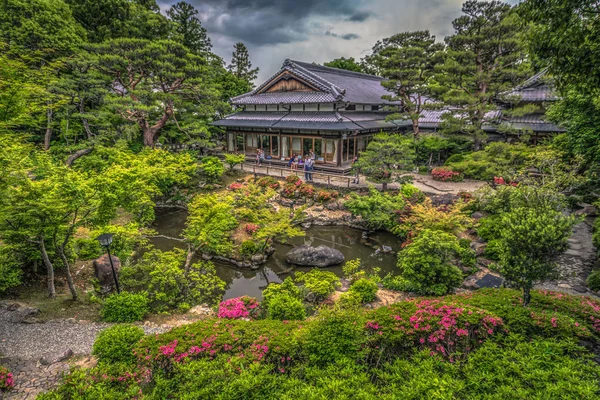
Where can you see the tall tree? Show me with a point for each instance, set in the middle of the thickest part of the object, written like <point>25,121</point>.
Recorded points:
<point>348,64</point>
<point>564,36</point>
<point>48,26</point>
<point>111,19</point>
<point>408,61</point>
<point>152,80</point>
<point>241,66</point>
<point>484,57</point>
<point>189,28</point>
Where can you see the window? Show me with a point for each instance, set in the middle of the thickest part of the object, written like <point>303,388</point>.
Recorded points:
<point>374,108</point>
<point>351,107</point>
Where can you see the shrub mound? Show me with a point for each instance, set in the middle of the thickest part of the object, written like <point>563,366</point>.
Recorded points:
<point>463,346</point>
<point>115,344</point>
<point>125,307</point>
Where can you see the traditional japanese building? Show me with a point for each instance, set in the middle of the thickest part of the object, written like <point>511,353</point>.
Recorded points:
<point>539,92</point>
<point>334,113</point>
<point>306,107</point>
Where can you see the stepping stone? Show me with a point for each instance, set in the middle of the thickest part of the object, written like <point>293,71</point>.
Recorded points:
<point>575,246</point>
<point>489,281</point>
<point>572,252</point>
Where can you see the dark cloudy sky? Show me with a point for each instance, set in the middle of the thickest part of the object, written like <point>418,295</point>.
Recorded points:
<point>315,30</point>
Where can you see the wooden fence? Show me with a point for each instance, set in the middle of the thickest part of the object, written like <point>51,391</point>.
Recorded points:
<point>328,179</point>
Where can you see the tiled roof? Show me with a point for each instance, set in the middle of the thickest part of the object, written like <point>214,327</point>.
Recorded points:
<point>433,118</point>
<point>334,85</point>
<point>534,122</point>
<point>307,120</point>
<point>538,88</point>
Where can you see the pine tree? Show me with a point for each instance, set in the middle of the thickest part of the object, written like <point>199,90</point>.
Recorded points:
<point>189,27</point>
<point>408,62</point>
<point>241,66</point>
<point>484,58</point>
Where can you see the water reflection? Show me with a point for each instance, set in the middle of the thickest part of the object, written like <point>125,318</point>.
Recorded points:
<point>171,222</point>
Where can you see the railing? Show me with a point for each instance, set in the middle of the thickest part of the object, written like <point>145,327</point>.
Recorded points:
<point>329,178</point>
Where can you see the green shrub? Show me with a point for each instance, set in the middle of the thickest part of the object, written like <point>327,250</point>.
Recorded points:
<point>334,335</point>
<point>115,344</point>
<point>248,248</point>
<point>366,289</point>
<point>412,193</point>
<point>398,283</point>
<point>319,284</point>
<point>350,300</point>
<point>284,307</point>
<point>377,209</point>
<point>125,307</point>
<point>87,249</point>
<point>593,280</point>
<point>212,169</point>
<point>428,263</point>
<point>233,159</point>
<point>287,286</point>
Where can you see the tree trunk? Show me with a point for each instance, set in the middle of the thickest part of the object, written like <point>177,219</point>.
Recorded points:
<point>415,126</point>
<point>477,143</point>
<point>76,155</point>
<point>84,121</point>
<point>49,268</point>
<point>526,296</point>
<point>61,252</point>
<point>384,186</point>
<point>48,135</point>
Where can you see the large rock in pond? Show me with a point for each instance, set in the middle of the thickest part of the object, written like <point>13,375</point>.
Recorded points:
<point>103,272</point>
<point>321,256</point>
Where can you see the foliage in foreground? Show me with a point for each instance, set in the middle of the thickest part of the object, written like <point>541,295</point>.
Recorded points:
<point>481,345</point>
<point>115,344</point>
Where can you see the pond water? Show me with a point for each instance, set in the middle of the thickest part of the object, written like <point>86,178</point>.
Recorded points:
<point>239,282</point>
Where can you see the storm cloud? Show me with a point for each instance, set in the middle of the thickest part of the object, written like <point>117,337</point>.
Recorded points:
<point>315,30</point>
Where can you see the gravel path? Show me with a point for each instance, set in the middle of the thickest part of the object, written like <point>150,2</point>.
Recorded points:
<point>30,341</point>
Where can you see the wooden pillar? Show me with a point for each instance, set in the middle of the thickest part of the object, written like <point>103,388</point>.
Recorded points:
<point>339,152</point>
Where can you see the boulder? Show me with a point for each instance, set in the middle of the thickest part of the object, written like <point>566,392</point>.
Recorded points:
<point>103,272</point>
<point>23,313</point>
<point>477,215</point>
<point>50,359</point>
<point>321,256</point>
<point>587,210</point>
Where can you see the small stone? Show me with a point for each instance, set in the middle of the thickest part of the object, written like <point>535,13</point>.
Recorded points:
<point>477,215</point>
<point>71,321</point>
<point>386,249</point>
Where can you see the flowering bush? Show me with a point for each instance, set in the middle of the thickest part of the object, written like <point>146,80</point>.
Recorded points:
<point>235,186</point>
<point>6,379</point>
<point>307,190</point>
<point>238,308</point>
<point>268,181</point>
<point>447,330</point>
<point>294,180</point>
<point>288,190</point>
<point>445,175</point>
<point>251,228</point>
<point>324,195</point>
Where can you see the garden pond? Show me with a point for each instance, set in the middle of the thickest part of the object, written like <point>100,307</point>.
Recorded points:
<point>171,222</point>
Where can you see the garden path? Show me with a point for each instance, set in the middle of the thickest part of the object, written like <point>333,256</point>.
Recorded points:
<point>424,182</point>
<point>576,263</point>
<point>39,353</point>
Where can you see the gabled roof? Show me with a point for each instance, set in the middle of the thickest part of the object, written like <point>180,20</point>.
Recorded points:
<point>538,88</point>
<point>327,84</point>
